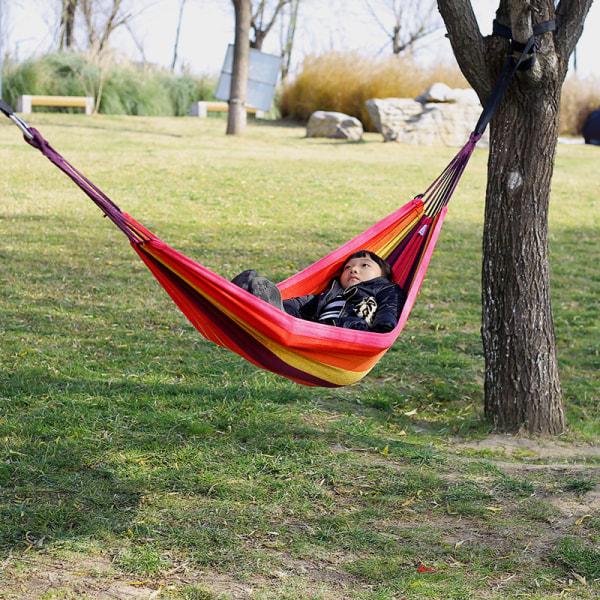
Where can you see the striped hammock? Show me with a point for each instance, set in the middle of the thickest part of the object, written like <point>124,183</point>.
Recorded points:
<point>305,352</point>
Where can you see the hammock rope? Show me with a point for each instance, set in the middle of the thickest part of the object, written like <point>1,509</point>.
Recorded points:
<point>305,352</point>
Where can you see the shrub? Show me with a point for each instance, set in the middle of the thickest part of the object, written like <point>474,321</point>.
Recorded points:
<point>121,87</point>
<point>345,81</point>
<point>580,96</point>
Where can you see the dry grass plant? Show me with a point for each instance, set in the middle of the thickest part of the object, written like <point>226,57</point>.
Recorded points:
<point>580,96</point>
<point>345,81</point>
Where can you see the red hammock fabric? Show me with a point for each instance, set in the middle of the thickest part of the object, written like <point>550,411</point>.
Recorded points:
<point>306,352</point>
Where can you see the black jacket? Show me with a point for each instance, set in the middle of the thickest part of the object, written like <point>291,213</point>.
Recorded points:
<point>373,305</point>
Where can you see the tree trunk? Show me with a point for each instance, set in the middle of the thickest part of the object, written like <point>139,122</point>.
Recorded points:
<point>286,52</point>
<point>177,34</point>
<point>238,94</point>
<point>67,24</point>
<point>522,383</point>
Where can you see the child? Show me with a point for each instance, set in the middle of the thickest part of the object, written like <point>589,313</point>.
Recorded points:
<point>363,297</point>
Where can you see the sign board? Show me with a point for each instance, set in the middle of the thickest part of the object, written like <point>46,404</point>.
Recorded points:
<point>262,78</point>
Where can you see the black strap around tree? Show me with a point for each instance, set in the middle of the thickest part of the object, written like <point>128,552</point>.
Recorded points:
<point>538,29</point>
<point>511,66</point>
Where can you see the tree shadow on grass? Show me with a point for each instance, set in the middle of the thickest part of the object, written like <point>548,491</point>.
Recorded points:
<point>79,458</point>
<point>71,452</point>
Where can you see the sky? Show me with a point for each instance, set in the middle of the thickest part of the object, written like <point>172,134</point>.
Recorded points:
<point>29,28</point>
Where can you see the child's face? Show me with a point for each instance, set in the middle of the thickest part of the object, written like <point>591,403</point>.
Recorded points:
<point>359,269</point>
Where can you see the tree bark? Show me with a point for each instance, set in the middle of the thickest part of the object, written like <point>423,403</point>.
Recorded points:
<point>522,382</point>
<point>238,94</point>
<point>67,24</point>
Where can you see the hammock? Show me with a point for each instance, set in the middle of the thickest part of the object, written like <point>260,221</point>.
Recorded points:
<point>303,351</point>
<point>308,353</point>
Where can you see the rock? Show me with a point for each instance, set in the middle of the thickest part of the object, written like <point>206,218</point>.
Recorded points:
<point>440,92</point>
<point>335,125</point>
<point>441,116</point>
<point>390,115</point>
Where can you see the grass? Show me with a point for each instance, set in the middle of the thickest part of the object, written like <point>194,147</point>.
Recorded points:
<point>135,454</point>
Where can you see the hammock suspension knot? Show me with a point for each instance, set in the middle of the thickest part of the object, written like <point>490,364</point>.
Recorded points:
<point>519,47</point>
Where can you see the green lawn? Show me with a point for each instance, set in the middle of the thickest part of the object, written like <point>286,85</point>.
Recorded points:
<point>138,460</point>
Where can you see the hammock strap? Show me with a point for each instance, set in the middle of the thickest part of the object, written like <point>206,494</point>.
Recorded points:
<point>538,29</point>
<point>440,191</point>
<point>10,113</point>
<point>100,199</point>
<point>438,194</point>
<point>511,66</point>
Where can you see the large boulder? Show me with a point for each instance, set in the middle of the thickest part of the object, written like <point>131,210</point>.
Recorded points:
<point>330,124</point>
<point>441,116</point>
<point>390,115</point>
<point>440,92</point>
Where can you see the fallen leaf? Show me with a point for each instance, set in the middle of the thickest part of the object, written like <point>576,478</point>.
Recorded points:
<point>582,519</point>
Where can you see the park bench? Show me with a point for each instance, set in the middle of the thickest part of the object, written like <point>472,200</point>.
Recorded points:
<point>201,109</point>
<point>26,102</point>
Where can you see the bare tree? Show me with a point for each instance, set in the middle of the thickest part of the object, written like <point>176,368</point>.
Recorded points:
<point>287,37</point>
<point>67,24</point>
<point>176,45</point>
<point>262,20</point>
<point>522,383</point>
<point>101,20</point>
<point>238,94</point>
<point>404,22</point>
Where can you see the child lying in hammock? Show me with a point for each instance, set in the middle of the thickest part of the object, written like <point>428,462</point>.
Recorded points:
<point>363,297</point>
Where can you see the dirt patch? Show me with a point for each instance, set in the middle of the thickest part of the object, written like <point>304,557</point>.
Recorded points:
<point>88,578</point>
<point>96,578</point>
<point>524,447</point>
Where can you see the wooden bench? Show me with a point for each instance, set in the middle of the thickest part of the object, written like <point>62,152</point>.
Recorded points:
<point>201,109</point>
<point>26,102</point>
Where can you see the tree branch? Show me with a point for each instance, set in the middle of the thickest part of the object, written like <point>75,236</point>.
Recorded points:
<point>570,16</point>
<point>467,43</point>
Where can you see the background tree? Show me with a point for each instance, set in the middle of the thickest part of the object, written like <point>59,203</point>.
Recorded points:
<point>238,94</point>
<point>522,383</point>
<point>101,19</point>
<point>262,19</point>
<point>177,34</point>
<point>287,38</point>
<point>87,25</point>
<point>404,22</point>
<point>67,24</point>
